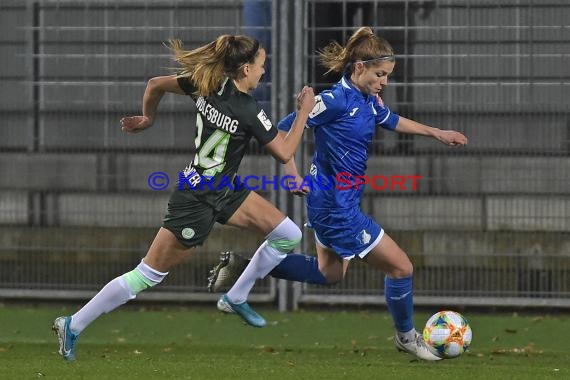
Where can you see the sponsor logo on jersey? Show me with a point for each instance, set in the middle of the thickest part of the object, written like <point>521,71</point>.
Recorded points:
<point>215,117</point>
<point>264,120</point>
<point>313,170</point>
<point>353,111</point>
<point>319,107</point>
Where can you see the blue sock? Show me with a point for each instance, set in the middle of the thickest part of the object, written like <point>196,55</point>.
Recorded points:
<point>300,268</point>
<point>399,298</point>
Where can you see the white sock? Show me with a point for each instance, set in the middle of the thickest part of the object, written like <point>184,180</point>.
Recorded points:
<point>263,261</point>
<point>113,295</point>
<point>117,292</point>
<point>407,336</point>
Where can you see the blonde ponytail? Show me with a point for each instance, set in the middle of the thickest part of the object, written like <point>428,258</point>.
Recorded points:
<point>363,45</point>
<point>208,65</point>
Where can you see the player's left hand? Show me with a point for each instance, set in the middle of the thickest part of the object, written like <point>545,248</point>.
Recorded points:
<point>306,99</point>
<point>297,186</point>
<point>379,100</point>
<point>451,138</point>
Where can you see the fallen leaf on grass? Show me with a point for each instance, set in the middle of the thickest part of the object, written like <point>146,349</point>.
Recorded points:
<point>267,349</point>
<point>526,350</point>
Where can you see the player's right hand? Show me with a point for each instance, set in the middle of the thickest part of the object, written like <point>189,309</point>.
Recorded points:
<point>135,124</point>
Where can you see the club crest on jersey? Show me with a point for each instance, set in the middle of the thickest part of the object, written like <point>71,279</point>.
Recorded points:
<point>264,120</point>
<point>319,107</point>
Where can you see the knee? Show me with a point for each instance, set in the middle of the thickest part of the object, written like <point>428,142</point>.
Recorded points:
<point>333,279</point>
<point>285,237</point>
<point>143,277</point>
<point>403,270</point>
<point>332,273</point>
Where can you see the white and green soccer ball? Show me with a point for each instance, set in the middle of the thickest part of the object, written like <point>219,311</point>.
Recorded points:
<point>447,334</point>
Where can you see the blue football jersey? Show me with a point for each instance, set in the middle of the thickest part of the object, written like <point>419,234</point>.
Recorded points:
<point>344,120</point>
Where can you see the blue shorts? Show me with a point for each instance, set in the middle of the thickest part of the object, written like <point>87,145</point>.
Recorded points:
<point>348,232</point>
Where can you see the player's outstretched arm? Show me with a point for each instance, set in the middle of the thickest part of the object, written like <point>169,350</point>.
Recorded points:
<point>155,89</point>
<point>451,138</point>
<point>295,184</point>
<point>283,148</point>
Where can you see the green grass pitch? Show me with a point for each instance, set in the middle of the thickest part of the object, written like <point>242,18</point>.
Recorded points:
<point>187,343</point>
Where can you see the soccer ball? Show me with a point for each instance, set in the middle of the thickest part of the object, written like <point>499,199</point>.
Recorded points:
<point>447,334</point>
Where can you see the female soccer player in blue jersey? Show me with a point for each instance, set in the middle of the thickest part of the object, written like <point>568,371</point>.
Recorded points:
<point>218,77</point>
<point>344,121</point>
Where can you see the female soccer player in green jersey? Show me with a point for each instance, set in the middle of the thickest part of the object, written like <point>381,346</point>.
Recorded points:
<point>218,77</point>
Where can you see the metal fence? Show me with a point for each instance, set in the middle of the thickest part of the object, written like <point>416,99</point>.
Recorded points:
<point>488,225</point>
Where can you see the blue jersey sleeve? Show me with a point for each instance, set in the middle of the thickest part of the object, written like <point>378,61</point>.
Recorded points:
<point>328,106</point>
<point>386,118</point>
<point>286,123</point>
